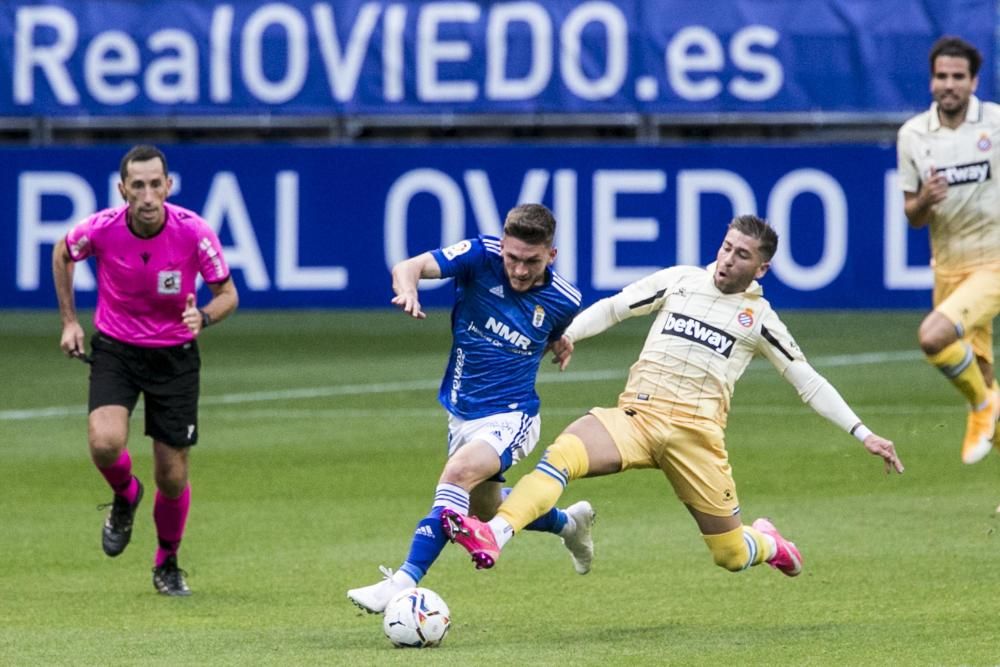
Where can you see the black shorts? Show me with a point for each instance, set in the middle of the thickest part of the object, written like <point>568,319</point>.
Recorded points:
<point>168,378</point>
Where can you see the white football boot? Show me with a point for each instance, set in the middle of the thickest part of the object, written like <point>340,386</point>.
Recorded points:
<point>580,542</point>
<point>374,598</point>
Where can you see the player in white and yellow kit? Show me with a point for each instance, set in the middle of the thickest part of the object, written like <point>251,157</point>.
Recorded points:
<point>709,324</point>
<point>947,162</point>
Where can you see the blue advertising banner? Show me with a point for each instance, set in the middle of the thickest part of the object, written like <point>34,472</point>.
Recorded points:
<point>300,57</point>
<point>322,226</point>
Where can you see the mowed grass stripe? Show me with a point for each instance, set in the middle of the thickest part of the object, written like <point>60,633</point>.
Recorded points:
<point>831,361</point>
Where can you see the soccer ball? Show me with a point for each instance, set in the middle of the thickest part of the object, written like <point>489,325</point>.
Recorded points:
<point>416,618</point>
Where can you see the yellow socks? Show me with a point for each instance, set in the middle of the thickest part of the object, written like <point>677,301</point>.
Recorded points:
<point>740,548</point>
<point>958,363</point>
<point>538,491</point>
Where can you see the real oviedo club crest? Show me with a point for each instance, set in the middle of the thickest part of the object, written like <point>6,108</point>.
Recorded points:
<point>538,317</point>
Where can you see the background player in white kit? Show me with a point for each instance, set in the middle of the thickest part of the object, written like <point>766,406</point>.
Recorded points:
<point>709,324</point>
<point>149,255</point>
<point>947,162</point>
<point>509,307</point>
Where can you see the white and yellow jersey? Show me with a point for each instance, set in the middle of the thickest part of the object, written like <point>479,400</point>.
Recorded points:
<point>965,227</point>
<point>699,344</point>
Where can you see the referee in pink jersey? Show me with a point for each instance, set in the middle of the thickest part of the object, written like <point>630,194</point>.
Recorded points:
<point>149,254</point>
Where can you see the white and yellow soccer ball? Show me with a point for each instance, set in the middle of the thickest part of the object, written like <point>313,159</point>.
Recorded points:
<point>416,618</point>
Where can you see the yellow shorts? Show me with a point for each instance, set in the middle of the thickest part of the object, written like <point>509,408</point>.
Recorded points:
<point>693,457</point>
<point>970,300</point>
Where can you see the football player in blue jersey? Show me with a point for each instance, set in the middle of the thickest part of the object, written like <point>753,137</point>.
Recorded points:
<point>510,306</point>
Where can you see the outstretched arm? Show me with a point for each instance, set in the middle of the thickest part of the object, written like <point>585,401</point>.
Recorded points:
<point>822,397</point>
<point>599,316</point>
<point>406,277</point>
<point>639,298</point>
<point>879,446</point>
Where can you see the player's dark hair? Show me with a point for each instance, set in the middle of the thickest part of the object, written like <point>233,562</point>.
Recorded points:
<point>531,223</point>
<point>956,47</point>
<point>141,153</point>
<point>757,228</point>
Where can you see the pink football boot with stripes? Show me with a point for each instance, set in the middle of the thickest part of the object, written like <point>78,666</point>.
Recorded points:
<point>473,535</point>
<point>787,558</point>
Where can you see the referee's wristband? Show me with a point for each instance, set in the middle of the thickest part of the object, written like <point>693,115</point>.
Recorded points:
<point>206,320</point>
<point>860,431</point>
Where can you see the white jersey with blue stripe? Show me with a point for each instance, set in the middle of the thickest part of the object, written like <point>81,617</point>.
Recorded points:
<point>498,335</point>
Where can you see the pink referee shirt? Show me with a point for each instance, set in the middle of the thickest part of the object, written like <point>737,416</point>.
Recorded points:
<point>142,284</point>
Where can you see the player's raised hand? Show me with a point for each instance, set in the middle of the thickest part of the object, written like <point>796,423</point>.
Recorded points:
<point>562,352</point>
<point>408,302</point>
<point>191,315</point>
<point>72,340</point>
<point>879,446</point>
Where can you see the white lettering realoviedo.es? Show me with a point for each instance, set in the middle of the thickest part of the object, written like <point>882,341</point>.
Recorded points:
<point>381,50</point>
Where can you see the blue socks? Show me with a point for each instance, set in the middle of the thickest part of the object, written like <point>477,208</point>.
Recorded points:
<point>429,539</point>
<point>428,542</point>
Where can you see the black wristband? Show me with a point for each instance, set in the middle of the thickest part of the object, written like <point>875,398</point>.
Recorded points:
<point>206,320</point>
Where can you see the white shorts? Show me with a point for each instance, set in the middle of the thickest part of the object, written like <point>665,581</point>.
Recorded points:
<point>512,435</point>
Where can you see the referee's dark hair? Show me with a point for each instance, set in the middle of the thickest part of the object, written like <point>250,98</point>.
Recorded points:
<point>531,223</point>
<point>956,47</point>
<point>141,153</point>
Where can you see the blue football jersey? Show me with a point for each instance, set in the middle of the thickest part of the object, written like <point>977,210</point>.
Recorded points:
<point>498,335</point>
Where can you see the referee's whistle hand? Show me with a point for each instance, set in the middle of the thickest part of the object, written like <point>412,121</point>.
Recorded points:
<point>71,341</point>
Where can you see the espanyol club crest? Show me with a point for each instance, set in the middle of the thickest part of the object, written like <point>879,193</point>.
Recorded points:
<point>539,317</point>
<point>984,143</point>
<point>745,318</point>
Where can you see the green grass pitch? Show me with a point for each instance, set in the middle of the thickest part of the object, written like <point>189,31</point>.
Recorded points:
<point>321,444</point>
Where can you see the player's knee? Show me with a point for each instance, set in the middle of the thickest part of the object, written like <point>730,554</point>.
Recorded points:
<point>106,442</point>
<point>929,344</point>
<point>935,334</point>
<point>727,552</point>
<point>171,480</point>
<point>734,560</point>
<point>463,473</point>
<point>171,487</point>
<point>105,452</point>
<point>568,456</point>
